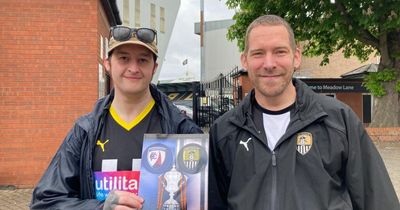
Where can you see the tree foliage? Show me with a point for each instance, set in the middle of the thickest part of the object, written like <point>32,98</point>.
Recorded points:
<point>374,82</point>
<point>354,26</point>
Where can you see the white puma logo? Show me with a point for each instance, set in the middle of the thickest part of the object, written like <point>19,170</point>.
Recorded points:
<point>245,143</point>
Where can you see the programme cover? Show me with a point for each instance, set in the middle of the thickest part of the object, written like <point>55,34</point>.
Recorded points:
<point>174,171</point>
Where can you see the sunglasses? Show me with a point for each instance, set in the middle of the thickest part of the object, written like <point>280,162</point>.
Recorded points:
<point>123,33</point>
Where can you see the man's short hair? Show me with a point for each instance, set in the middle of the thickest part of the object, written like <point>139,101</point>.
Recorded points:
<point>272,20</point>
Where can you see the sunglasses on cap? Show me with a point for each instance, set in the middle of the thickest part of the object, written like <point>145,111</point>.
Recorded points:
<point>123,33</point>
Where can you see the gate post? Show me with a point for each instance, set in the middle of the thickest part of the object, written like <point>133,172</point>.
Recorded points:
<point>196,98</point>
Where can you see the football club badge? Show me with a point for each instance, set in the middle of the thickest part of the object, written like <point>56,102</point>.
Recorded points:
<point>158,158</point>
<point>304,142</point>
<point>192,158</point>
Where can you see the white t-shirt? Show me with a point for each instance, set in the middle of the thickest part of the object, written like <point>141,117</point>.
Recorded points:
<point>275,126</point>
<point>274,123</point>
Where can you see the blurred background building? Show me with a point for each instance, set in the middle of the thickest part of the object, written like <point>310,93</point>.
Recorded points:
<point>159,15</point>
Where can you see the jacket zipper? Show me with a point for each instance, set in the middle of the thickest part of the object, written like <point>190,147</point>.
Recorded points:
<point>274,169</point>
<point>274,181</point>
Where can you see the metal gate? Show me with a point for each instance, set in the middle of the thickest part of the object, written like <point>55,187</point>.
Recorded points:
<point>213,99</point>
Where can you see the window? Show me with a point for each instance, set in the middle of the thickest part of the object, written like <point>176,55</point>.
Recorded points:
<point>102,82</point>
<point>162,20</point>
<point>153,16</point>
<point>101,47</point>
<point>105,47</point>
<point>125,19</point>
<point>137,13</point>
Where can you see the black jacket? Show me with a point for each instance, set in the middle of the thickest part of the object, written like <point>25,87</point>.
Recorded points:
<point>340,167</point>
<point>68,182</point>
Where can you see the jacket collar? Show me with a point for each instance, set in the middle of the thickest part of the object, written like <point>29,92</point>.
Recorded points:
<point>102,106</point>
<point>306,105</point>
<point>170,115</point>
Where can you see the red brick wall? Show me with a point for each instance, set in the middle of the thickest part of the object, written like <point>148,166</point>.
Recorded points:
<point>246,84</point>
<point>384,134</point>
<point>49,76</point>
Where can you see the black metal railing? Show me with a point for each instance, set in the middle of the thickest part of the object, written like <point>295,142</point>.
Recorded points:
<point>213,99</point>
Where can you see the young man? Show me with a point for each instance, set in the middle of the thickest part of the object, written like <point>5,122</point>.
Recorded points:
<point>109,139</point>
<point>286,147</point>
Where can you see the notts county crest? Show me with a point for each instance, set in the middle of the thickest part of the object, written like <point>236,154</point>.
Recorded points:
<point>192,158</point>
<point>304,142</point>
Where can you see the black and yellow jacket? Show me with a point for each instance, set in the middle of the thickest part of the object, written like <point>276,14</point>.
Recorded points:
<point>325,160</point>
<point>68,182</point>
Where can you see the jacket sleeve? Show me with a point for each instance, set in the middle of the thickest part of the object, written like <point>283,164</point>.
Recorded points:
<point>187,126</point>
<point>366,176</point>
<point>217,180</point>
<point>59,187</point>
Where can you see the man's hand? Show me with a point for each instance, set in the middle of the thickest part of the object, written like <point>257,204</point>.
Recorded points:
<point>121,200</point>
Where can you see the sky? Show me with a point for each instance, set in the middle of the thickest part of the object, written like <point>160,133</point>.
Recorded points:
<point>184,43</point>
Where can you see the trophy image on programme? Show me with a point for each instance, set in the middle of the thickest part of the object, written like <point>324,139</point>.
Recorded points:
<point>174,182</point>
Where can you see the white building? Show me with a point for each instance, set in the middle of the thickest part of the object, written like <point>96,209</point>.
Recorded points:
<point>156,14</point>
<point>220,54</point>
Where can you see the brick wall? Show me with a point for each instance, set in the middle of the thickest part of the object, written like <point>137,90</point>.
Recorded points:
<point>49,76</point>
<point>246,84</point>
<point>384,134</point>
<point>338,65</point>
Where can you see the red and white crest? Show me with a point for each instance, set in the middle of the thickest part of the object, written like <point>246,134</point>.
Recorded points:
<point>156,156</point>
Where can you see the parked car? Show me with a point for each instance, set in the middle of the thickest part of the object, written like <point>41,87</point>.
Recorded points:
<point>188,111</point>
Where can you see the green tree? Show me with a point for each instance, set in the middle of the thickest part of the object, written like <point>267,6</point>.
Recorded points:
<point>358,27</point>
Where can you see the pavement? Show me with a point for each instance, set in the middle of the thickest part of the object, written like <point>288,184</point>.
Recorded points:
<point>11,199</point>
<point>15,199</point>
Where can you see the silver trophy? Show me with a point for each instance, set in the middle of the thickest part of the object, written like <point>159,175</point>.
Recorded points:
<point>172,178</point>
